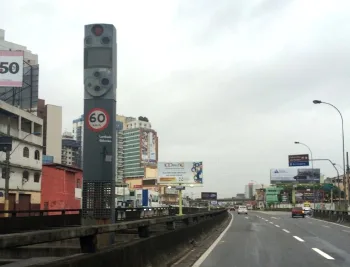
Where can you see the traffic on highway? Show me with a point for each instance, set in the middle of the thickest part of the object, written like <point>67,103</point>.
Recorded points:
<point>275,239</point>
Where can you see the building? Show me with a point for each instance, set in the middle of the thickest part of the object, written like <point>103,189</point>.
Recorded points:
<point>140,150</point>
<point>78,135</point>
<point>70,150</point>
<point>249,189</point>
<point>25,97</point>
<point>25,159</point>
<point>52,117</point>
<point>61,187</point>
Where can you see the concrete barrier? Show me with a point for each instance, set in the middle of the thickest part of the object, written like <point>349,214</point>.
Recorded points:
<point>48,219</point>
<point>157,251</point>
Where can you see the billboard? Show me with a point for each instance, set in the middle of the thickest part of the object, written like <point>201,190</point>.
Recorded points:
<point>295,175</point>
<point>11,68</point>
<point>190,173</point>
<point>26,96</point>
<point>148,146</point>
<point>209,195</point>
<point>308,195</point>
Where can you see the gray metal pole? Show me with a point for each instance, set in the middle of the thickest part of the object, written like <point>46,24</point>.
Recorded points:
<point>345,182</point>
<point>333,164</point>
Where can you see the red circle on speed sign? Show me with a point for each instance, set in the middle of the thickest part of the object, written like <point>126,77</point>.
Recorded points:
<point>97,119</point>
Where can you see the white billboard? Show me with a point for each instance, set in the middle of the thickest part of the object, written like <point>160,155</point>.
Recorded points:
<point>184,173</point>
<point>11,68</point>
<point>295,175</point>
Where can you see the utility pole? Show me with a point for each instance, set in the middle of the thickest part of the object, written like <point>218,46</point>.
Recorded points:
<point>7,176</point>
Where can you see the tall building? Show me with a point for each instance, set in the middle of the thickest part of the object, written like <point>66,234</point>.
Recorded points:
<point>25,159</point>
<point>70,150</point>
<point>140,150</point>
<point>52,117</point>
<point>78,135</point>
<point>25,97</point>
<point>249,189</point>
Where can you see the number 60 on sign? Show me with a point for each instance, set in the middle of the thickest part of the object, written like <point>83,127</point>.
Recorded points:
<point>97,119</point>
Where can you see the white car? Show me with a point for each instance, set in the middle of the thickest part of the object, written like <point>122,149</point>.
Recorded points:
<point>242,209</point>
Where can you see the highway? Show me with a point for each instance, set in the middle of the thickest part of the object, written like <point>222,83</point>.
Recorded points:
<point>274,239</point>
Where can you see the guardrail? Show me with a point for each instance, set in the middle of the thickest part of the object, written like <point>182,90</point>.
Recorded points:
<point>88,234</point>
<point>332,215</point>
<point>44,219</point>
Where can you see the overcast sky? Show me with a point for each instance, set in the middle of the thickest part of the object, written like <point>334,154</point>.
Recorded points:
<point>228,82</point>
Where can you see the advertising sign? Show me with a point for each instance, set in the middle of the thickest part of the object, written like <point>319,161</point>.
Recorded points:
<point>308,195</point>
<point>209,195</point>
<point>295,175</point>
<point>180,173</point>
<point>148,146</point>
<point>171,191</point>
<point>11,68</point>
<point>298,160</point>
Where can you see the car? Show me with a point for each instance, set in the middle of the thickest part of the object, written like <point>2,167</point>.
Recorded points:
<point>307,211</point>
<point>298,211</point>
<point>242,209</point>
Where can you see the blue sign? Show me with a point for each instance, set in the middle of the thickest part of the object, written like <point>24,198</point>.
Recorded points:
<point>298,160</point>
<point>298,163</point>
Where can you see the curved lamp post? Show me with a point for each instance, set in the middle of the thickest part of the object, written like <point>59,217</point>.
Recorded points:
<point>345,183</point>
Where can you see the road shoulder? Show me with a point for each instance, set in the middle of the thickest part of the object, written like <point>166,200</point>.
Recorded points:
<point>201,246</point>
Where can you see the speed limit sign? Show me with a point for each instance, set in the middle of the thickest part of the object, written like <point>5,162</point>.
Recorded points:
<point>97,119</point>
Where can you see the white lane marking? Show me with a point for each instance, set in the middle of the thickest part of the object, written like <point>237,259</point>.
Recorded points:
<point>323,254</point>
<point>346,231</point>
<point>210,249</point>
<point>273,218</point>
<point>277,225</point>
<point>271,222</point>
<point>298,238</point>
<point>329,222</point>
<point>246,217</point>
<point>325,226</point>
<point>286,231</point>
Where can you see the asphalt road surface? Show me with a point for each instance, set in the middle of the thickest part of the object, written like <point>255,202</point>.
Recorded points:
<point>275,239</point>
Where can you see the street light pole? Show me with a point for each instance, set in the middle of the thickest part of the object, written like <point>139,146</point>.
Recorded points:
<point>333,164</point>
<point>7,175</point>
<point>312,168</point>
<point>345,182</point>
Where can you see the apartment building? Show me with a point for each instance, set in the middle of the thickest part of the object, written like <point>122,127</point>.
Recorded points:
<point>25,163</point>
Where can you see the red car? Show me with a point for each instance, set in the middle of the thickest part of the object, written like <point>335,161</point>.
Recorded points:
<point>298,211</point>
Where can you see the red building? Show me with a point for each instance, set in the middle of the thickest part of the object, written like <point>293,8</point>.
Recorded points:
<point>60,187</point>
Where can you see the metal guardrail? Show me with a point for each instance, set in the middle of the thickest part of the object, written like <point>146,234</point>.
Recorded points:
<point>88,234</point>
<point>45,219</point>
<point>332,215</point>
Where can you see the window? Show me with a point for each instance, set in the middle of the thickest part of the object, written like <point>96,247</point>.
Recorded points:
<point>37,155</point>
<point>36,177</point>
<point>25,175</point>
<point>26,152</point>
